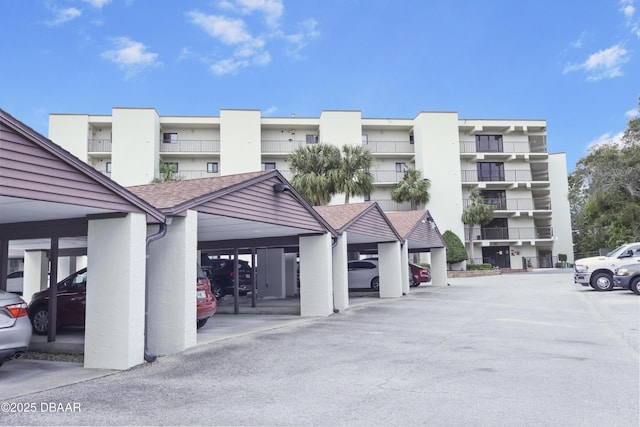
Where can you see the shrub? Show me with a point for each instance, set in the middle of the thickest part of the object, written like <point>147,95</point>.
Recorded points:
<point>455,249</point>
<point>562,257</point>
<point>478,267</point>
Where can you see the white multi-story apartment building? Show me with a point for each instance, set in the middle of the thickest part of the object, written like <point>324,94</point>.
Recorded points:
<point>506,160</point>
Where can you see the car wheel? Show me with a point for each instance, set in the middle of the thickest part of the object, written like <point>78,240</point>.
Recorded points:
<point>201,322</point>
<point>602,282</point>
<point>635,286</point>
<point>217,291</point>
<point>40,321</point>
<point>375,283</point>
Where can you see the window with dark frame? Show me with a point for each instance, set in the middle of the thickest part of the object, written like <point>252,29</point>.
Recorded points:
<point>489,144</point>
<point>268,166</point>
<point>212,167</point>
<point>490,171</point>
<point>311,139</point>
<point>170,138</point>
<point>108,167</point>
<point>401,167</point>
<point>496,198</point>
<point>411,141</point>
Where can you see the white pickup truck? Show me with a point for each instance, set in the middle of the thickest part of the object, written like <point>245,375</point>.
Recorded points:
<point>597,272</point>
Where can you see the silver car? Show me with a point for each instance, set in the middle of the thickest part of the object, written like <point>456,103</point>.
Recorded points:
<point>15,327</point>
<point>363,274</point>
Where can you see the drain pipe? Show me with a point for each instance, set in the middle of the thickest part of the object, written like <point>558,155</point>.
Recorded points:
<point>148,357</point>
<point>334,243</point>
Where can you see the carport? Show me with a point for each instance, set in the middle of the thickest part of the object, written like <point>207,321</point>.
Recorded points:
<point>364,227</point>
<point>234,214</point>
<point>53,204</point>
<point>420,233</point>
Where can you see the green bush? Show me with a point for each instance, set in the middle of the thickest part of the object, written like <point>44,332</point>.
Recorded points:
<point>562,257</point>
<point>478,267</point>
<point>455,249</point>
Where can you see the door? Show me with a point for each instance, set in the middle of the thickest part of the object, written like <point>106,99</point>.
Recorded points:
<point>497,256</point>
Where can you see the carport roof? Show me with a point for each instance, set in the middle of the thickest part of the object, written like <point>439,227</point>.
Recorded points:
<point>418,228</point>
<point>245,210</point>
<point>365,223</point>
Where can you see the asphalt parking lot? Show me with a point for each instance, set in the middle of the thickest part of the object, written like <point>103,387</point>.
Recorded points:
<point>520,349</point>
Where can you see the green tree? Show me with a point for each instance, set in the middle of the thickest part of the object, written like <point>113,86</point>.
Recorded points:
<point>604,193</point>
<point>413,188</point>
<point>167,173</point>
<point>353,177</point>
<point>477,213</point>
<point>316,172</point>
<point>455,248</point>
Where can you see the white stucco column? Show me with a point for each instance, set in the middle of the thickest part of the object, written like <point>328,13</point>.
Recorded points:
<point>171,317</point>
<point>316,293</point>
<point>340,274</point>
<point>114,331</point>
<point>291,274</point>
<point>404,267</point>
<point>36,267</point>
<point>390,270</point>
<point>439,266</point>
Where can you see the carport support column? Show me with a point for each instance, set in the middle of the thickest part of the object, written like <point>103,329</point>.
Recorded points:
<point>36,267</point>
<point>316,294</point>
<point>114,332</point>
<point>340,274</point>
<point>438,266</point>
<point>172,281</point>
<point>390,270</point>
<point>404,265</point>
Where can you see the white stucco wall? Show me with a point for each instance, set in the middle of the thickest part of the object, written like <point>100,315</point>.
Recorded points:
<point>71,131</point>
<point>390,270</point>
<point>240,147</point>
<point>316,293</point>
<point>560,205</point>
<point>135,152</point>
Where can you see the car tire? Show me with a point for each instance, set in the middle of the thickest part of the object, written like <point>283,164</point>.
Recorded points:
<point>375,283</point>
<point>635,286</point>
<point>217,291</point>
<point>200,323</point>
<point>40,321</point>
<point>602,282</point>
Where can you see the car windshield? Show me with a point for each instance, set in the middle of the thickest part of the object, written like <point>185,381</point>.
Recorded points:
<point>617,251</point>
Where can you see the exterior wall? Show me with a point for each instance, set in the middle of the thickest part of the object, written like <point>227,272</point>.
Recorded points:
<point>136,133</point>
<point>241,150</point>
<point>114,327</point>
<point>70,131</point>
<point>560,203</point>
<point>437,154</point>
<point>316,291</point>
<point>390,270</point>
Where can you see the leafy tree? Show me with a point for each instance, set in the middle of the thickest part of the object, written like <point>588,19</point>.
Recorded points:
<point>166,173</point>
<point>316,172</point>
<point>455,248</point>
<point>604,193</point>
<point>354,178</point>
<point>413,188</point>
<point>477,213</point>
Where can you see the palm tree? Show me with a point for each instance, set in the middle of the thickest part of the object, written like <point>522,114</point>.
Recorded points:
<point>413,188</point>
<point>476,213</point>
<point>354,178</point>
<point>315,169</point>
<point>167,173</point>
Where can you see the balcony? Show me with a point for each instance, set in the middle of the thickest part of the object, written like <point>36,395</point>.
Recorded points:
<point>502,147</point>
<point>281,146</point>
<point>509,233</point>
<point>183,175</point>
<point>468,176</point>
<point>191,146</point>
<point>388,205</point>
<point>99,146</point>
<point>386,176</point>
<point>389,147</point>
<point>518,204</point>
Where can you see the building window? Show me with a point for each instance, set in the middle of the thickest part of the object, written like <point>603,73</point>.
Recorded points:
<point>170,138</point>
<point>490,171</point>
<point>108,167</point>
<point>489,144</point>
<point>268,166</point>
<point>401,167</point>
<point>212,167</point>
<point>312,139</point>
<point>367,197</point>
<point>365,139</point>
<point>496,198</point>
<point>411,141</point>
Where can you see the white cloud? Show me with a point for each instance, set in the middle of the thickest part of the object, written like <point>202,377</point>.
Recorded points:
<point>606,63</point>
<point>270,111</point>
<point>64,15</point>
<point>627,8</point>
<point>271,9</point>
<point>229,31</point>
<point>228,66</point>
<point>632,114</point>
<point>131,56</point>
<point>97,3</point>
<point>308,29</point>
<point>606,139</point>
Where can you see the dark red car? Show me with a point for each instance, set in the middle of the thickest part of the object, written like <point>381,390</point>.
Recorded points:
<point>419,275</point>
<point>72,302</point>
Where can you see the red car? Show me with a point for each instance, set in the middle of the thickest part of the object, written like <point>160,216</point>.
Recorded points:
<point>419,275</point>
<point>72,301</point>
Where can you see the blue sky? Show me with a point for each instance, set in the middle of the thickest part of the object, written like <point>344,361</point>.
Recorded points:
<point>575,64</point>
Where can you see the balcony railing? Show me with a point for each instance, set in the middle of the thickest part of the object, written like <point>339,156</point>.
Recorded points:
<point>191,146</point>
<point>521,204</point>
<point>506,147</point>
<point>281,145</point>
<point>403,147</point>
<point>391,206</point>
<point>508,233</point>
<point>99,146</point>
<point>386,175</point>
<point>507,175</point>
<point>194,174</point>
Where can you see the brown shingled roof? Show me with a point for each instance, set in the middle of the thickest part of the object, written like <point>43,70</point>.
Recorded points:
<point>412,225</point>
<point>339,216</point>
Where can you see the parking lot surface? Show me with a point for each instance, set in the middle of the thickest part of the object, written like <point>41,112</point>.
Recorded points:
<point>518,349</point>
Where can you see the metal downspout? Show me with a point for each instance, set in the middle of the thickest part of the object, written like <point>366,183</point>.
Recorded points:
<point>148,357</point>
